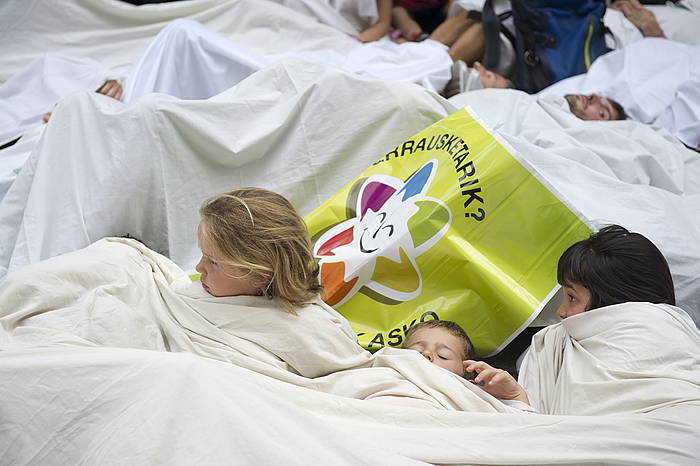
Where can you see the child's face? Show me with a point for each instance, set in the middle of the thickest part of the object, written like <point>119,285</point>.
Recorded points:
<point>220,279</point>
<point>440,347</point>
<point>575,300</point>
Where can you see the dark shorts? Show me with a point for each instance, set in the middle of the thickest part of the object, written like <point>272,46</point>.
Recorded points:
<point>430,19</point>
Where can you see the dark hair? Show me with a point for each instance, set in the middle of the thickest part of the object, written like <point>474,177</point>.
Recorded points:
<point>622,115</point>
<point>617,266</point>
<point>453,327</point>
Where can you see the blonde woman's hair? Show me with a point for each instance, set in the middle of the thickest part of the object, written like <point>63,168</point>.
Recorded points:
<point>260,232</point>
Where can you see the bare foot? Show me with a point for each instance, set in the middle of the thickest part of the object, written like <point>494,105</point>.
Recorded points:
<point>489,79</point>
<point>46,116</point>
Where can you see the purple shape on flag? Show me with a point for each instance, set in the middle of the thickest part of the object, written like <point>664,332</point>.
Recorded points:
<point>374,195</point>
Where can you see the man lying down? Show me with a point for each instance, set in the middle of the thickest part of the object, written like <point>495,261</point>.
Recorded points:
<point>654,81</point>
<point>264,351</point>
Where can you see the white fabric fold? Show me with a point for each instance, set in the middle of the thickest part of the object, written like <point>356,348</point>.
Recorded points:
<point>86,376</point>
<point>625,358</point>
<point>107,169</point>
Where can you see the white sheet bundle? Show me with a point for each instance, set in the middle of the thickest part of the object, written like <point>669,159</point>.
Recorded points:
<point>189,61</point>
<point>105,169</point>
<point>191,53</point>
<point>85,378</point>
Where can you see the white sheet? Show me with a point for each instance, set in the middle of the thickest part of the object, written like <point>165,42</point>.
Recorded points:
<point>632,357</point>
<point>117,293</point>
<point>29,94</point>
<point>349,16</point>
<point>105,169</point>
<point>68,399</point>
<point>186,59</point>
<point>189,61</point>
<point>116,33</point>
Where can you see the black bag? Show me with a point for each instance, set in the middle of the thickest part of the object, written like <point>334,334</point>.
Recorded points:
<point>553,39</point>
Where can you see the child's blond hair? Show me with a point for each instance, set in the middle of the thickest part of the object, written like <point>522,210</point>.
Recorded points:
<point>260,232</point>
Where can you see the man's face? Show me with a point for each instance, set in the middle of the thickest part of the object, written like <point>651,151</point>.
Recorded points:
<point>591,107</point>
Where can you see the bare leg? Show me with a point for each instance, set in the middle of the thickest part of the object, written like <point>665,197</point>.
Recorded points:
<point>452,29</point>
<point>400,19</point>
<point>470,46</point>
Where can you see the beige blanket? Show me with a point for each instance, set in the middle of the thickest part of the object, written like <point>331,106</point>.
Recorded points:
<point>626,358</point>
<point>108,355</point>
<point>118,293</point>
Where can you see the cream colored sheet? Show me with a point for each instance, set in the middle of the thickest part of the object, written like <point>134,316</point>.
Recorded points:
<point>109,356</point>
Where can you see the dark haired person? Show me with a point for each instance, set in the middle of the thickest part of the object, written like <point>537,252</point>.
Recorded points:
<point>604,357</point>
<point>613,266</point>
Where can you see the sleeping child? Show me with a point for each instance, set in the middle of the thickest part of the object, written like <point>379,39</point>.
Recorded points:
<point>447,345</point>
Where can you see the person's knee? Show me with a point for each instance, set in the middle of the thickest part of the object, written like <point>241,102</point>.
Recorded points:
<point>181,26</point>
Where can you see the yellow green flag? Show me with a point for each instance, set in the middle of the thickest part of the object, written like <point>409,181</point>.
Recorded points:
<point>447,225</point>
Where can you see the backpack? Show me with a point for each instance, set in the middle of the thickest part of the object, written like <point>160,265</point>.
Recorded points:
<point>554,39</point>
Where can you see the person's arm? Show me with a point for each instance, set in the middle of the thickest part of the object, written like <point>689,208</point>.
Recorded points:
<point>381,27</point>
<point>643,18</point>
<point>497,382</point>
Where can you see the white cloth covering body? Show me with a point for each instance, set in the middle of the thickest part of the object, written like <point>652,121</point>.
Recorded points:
<point>189,61</point>
<point>29,94</point>
<point>118,293</point>
<point>349,16</point>
<point>655,80</point>
<point>117,33</point>
<point>631,357</point>
<point>86,375</point>
<point>104,168</point>
<point>143,169</point>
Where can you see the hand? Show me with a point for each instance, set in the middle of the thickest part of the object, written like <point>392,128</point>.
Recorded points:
<point>489,79</point>
<point>46,117</point>
<point>111,88</point>
<point>374,32</point>
<point>497,382</point>
<point>643,18</point>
